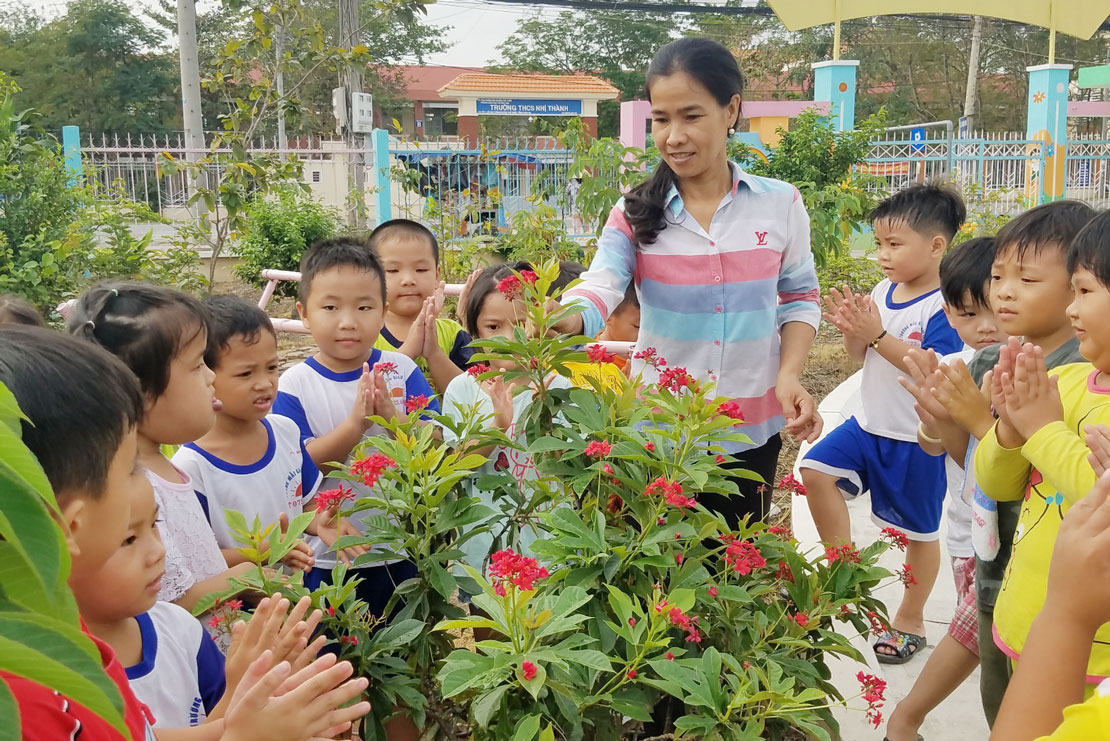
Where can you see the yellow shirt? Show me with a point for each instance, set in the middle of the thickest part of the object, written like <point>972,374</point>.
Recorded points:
<point>1089,721</point>
<point>1050,472</point>
<point>608,374</point>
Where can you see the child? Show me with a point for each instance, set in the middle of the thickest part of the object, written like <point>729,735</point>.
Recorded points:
<point>1030,292</point>
<point>14,310</point>
<point>250,461</point>
<point>965,277</point>
<point>410,255</point>
<point>878,450</point>
<point>1048,683</point>
<point>161,335</point>
<point>490,313</point>
<point>1035,453</point>
<point>623,324</point>
<point>85,437</point>
<point>331,394</point>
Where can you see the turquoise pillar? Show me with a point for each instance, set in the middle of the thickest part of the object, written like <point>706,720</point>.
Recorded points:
<point>382,198</point>
<point>71,152</point>
<point>1046,122</point>
<point>835,81</point>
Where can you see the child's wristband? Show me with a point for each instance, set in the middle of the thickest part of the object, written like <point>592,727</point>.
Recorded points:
<point>874,344</point>
<point>925,437</point>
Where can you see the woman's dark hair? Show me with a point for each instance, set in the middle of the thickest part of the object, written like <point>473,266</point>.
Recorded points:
<point>1090,249</point>
<point>231,316</point>
<point>144,325</point>
<point>14,310</point>
<point>80,403</point>
<point>716,69</point>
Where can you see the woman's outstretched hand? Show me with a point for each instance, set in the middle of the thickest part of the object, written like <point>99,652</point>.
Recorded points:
<point>802,419</point>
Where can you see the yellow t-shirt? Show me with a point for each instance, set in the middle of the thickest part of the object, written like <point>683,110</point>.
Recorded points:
<point>1049,473</point>
<point>451,337</point>
<point>608,374</point>
<point>1089,721</point>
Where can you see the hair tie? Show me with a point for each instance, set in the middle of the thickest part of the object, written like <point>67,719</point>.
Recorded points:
<point>91,324</point>
<point>115,292</point>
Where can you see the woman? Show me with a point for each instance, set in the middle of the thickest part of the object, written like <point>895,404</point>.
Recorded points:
<point>722,263</point>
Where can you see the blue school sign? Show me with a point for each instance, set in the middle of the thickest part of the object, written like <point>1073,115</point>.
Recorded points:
<point>526,107</point>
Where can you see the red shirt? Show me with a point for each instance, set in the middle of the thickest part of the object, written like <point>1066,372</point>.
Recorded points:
<point>48,716</point>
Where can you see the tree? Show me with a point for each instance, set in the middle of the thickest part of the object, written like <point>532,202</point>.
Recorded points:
<point>98,66</point>
<point>615,45</point>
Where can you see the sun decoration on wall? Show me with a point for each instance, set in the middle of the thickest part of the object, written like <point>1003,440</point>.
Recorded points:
<point>1038,97</point>
<point>843,87</point>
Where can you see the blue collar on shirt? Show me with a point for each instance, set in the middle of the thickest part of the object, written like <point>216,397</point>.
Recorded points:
<point>149,636</point>
<point>674,199</point>
<point>348,376</point>
<point>229,467</point>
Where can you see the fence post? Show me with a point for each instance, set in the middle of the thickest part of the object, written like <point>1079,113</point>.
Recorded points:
<point>383,202</point>
<point>71,151</point>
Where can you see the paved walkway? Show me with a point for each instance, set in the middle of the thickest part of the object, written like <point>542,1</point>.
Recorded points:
<point>960,717</point>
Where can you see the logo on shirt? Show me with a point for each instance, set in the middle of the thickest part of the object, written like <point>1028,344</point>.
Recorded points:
<point>913,334</point>
<point>761,239</point>
<point>294,493</point>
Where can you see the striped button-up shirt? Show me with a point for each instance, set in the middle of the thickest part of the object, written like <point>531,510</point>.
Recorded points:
<point>713,302</point>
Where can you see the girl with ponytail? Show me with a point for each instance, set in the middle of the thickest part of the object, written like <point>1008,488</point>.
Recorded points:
<point>721,262</point>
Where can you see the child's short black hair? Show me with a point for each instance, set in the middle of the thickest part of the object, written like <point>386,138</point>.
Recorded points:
<point>569,271</point>
<point>1090,249</point>
<point>80,402</point>
<point>1050,225</point>
<point>14,310</point>
<point>484,285</point>
<point>339,252</point>
<point>144,325</point>
<point>405,228</point>
<point>231,316</point>
<point>966,269</point>
<point>924,208</point>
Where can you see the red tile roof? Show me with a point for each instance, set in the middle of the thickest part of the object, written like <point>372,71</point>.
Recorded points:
<point>423,82</point>
<point>490,83</point>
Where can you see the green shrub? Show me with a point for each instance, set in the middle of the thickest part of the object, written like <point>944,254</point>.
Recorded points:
<point>278,231</point>
<point>858,273</point>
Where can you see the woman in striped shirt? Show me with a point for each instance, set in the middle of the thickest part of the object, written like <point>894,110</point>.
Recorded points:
<point>721,261</point>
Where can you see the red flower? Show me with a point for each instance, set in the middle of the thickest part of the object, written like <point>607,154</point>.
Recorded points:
<point>510,287</point>
<point>845,610</point>
<point>521,571</point>
<point>529,670</point>
<point>845,553</point>
<point>416,403</point>
<point>215,620</point>
<point>676,379</point>
<point>782,531</point>
<point>873,689</point>
<point>350,640</point>
<point>534,363</point>
<point>895,537</point>
<point>598,354</point>
<point>373,466</point>
<point>650,357</point>
<point>712,591</point>
<point>678,536</point>
<point>649,447</point>
<point>477,369</point>
<point>784,572</point>
<point>720,459</point>
<point>333,497</point>
<point>614,504</point>
<point>631,673</point>
<point>331,610</point>
<point>597,449</point>
<point>792,485</point>
<point>631,622</point>
<point>681,620</point>
<point>877,627</point>
<point>386,367</point>
<point>679,558</point>
<point>607,469</point>
<point>234,604</point>
<point>800,618</point>
<point>743,557</point>
<point>731,409</point>
<point>528,277</point>
<point>906,575</point>
<point>661,521</point>
<point>668,656</point>
<point>672,491</point>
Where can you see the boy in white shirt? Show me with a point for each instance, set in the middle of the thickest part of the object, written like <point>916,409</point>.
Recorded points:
<point>331,394</point>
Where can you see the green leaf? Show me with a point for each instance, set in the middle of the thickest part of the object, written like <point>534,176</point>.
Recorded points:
<point>440,579</point>
<point>487,704</point>
<point>527,729</point>
<point>401,633</point>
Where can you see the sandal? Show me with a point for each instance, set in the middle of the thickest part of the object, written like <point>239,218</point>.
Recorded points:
<point>905,646</point>
<point>919,738</point>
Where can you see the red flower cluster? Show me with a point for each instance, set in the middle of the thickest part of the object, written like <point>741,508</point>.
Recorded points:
<point>782,531</point>
<point>372,467</point>
<point>477,369</point>
<point>731,409</point>
<point>792,485</point>
<point>512,286</point>
<point>742,556</point>
<point>350,640</point>
<point>599,354</point>
<point>801,619</point>
<point>333,497</point>
<point>416,403</point>
<point>671,490</point>
<point>873,689</point>
<point>631,673</point>
<point>713,591</point>
<point>386,367</point>
<point>895,537</point>
<point>668,656</point>
<point>651,357</point>
<point>676,379</point>
<point>521,571</point>
<point>905,574</point>
<point>784,572</point>
<point>608,471</point>
<point>845,553</point>
<point>689,624</point>
<point>649,447</point>
<point>877,627</point>
<point>597,449</point>
<point>528,669</point>
<point>719,460</point>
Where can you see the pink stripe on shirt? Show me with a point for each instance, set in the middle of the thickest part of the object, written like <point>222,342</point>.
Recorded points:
<point>696,270</point>
<point>618,221</point>
<point>788,298</point>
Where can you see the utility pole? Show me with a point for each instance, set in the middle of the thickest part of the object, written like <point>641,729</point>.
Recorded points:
<point>350,79</point>
<point>279,53</point>
<point>195,145</point>
<point>971,98</point>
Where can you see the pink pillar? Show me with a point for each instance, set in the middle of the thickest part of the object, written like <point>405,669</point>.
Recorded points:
<point>634,118</point>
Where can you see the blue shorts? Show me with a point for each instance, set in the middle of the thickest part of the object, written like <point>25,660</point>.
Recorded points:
<point>907,484</point>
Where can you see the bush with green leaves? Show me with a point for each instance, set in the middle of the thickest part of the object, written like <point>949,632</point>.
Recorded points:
<point>639,598</point>
<point>277,231</point>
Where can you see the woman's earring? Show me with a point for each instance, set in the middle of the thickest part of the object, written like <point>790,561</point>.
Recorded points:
<point>731,131</point>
